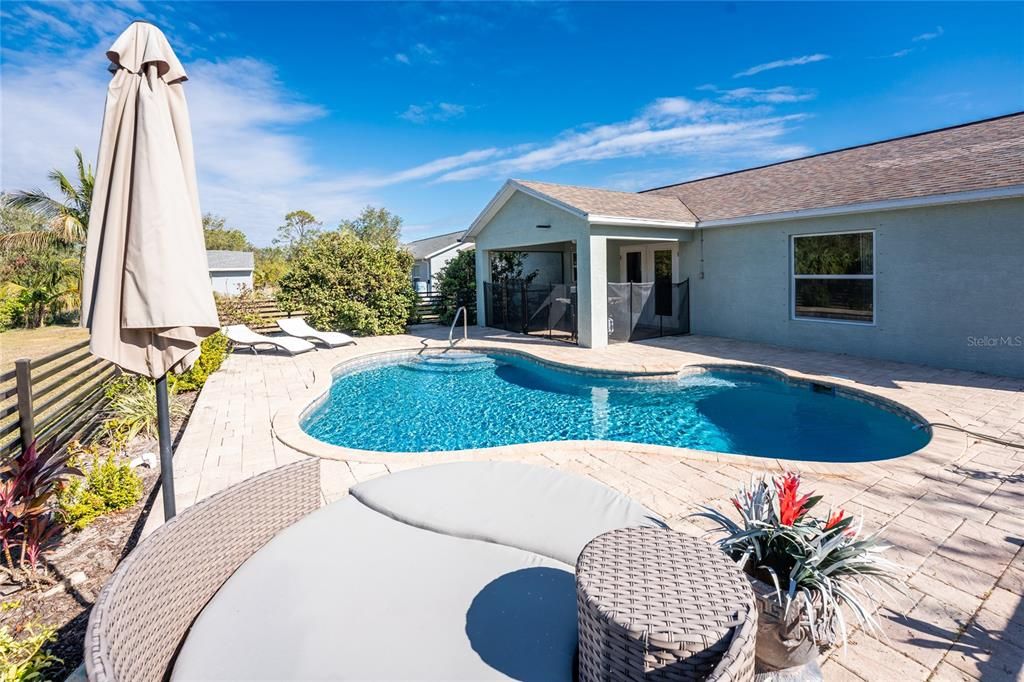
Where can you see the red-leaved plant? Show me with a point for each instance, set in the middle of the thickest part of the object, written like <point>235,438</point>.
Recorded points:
<point>27,523</point>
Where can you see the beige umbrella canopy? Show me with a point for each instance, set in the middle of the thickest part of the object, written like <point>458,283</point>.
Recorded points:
<point>146,294</point>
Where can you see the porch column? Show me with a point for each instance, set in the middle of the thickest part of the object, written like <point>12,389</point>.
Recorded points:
<point>483,274</point>
<point>592,291</point>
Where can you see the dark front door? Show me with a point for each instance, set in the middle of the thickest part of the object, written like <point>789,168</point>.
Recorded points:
<point>663,282</point>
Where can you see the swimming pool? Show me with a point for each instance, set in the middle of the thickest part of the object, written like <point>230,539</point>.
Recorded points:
<point>462,400</point>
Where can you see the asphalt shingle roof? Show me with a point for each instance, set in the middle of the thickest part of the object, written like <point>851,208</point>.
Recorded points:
<point>983,155</point>
<point>611,203</point>
<point>230,260</point>
<point>421,248</point>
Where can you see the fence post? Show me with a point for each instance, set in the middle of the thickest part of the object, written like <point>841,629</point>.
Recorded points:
<point>26,418</point>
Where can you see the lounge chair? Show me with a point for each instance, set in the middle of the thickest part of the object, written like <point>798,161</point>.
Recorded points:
<point>297,327</point>
<point>240,335</point>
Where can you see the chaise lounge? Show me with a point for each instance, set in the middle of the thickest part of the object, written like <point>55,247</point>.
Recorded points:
<point>455,571</point>
<point>241,335</point>
<point>299,328</point>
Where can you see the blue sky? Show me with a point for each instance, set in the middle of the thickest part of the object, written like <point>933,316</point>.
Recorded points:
<point>427,108</point>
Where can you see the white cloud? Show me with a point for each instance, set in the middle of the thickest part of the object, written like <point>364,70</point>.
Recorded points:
<point>444,111</point>
<point>901,53</point>
<point>419,53</point>
<point>782,94</point>
<point>781,63</point>
<point>930,35</point>
<point>669,126</point>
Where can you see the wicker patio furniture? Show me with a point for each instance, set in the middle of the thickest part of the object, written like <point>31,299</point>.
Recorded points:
<point>657,604</point>
<point>146,608</point>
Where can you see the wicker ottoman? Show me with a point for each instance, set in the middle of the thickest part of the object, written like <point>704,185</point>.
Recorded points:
<point>656,604</point>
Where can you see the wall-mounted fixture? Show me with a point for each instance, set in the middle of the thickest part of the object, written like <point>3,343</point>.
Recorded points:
<point>543,227</point>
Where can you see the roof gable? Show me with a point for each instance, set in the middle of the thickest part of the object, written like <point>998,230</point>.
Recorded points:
<point>597,206</point>
<point>431,246</point>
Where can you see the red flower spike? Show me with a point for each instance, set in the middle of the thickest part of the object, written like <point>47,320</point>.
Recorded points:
<point>792,507</point>
<point>834,519</point>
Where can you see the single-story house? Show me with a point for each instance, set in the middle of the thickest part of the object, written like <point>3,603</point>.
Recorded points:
<point>910,249</point>
<point>230,271</point>
<point>432,254</point>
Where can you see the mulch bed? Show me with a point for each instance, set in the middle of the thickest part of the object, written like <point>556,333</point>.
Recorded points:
<point>95,551</point>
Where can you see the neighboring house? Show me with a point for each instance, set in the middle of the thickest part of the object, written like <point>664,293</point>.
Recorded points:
<point>910,249</point>
<point>230,271</point>
<point>432,254</point>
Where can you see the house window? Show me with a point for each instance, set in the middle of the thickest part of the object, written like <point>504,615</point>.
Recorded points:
<point>834,277</point>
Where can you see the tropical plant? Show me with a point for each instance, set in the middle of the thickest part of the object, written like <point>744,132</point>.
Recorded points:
<point>346,283</point>
<point>300,228</point>
<point>65,222</point>
<point>27,482</point>
<point>132,406</point>
<point>456,285</point>
<point>816,564</point>
<point>108,485</point>
<point>374,225</point>
<point>49,285</point>
<point>25,659</point>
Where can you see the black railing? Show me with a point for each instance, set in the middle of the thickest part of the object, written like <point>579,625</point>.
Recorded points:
<point>548,309</point>
<point>646,310</point>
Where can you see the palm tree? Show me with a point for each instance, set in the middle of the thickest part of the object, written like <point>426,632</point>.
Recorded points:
<point>64,224</point>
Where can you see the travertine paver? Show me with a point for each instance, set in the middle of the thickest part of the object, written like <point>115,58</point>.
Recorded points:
<point>955,515</point>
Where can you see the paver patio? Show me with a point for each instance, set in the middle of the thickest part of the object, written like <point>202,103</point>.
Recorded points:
<point>955,517</point>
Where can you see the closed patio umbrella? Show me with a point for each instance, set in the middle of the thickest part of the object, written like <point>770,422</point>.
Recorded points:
<point>146,293</point>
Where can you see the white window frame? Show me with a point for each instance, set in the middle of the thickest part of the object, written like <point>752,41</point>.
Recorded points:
<point>793,277</point>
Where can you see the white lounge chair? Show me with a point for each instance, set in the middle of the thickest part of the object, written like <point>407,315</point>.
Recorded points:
<point>240,335</point>
<point>297,327</point>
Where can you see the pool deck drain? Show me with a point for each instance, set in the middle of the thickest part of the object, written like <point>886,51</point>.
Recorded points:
<point>954,512</point>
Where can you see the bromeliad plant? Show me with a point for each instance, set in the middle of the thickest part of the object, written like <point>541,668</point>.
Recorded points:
<point>817,564</point>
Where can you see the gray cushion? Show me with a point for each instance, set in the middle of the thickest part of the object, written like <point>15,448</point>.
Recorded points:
<point>509,503</point>
<point>348,593</point>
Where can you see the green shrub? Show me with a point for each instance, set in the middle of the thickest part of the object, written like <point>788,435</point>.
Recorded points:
<point>456,283</point>
<point>108,486</point>
<point>132,406</point>
<point>12,312</point>
<point>348,283</point>
<point>212,353</point>
<point>23,660</point>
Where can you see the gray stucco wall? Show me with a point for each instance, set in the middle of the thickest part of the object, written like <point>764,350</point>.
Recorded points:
<point>949,286</point>
<point>231,282</point>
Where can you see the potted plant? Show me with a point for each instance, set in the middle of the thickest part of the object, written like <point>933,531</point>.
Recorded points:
<point>804,570</point>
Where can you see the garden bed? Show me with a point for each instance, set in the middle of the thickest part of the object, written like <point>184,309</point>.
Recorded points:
<point>79,567</point>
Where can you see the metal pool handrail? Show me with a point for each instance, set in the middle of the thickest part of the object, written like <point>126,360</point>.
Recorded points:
<point>465,325</point>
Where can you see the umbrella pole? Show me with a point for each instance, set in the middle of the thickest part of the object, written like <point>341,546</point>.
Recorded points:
<point>163,417</point>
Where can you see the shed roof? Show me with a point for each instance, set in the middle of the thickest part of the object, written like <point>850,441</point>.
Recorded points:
<point>230,260</point>
<point>428,246</point>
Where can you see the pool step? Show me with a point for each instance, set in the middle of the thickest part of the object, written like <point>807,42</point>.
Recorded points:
<point>450,362</point>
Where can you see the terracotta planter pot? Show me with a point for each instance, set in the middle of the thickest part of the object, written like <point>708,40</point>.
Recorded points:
<point>783,640</point>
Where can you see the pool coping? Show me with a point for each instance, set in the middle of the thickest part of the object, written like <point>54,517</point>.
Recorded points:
<point>945,445</point>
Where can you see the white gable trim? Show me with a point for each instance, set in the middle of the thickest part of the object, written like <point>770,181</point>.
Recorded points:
<point>511,187</point>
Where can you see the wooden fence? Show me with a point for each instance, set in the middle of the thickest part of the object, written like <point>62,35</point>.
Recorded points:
<point>58,397</point>
<point>428,307</point>
<point>270,312</point>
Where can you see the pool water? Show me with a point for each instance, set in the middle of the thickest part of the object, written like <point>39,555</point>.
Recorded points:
<point>468,400</point>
